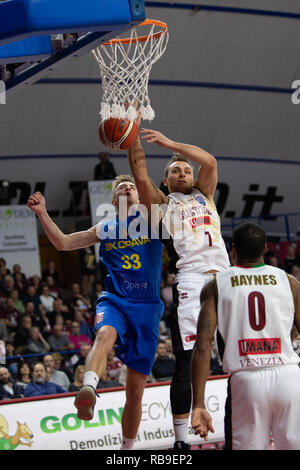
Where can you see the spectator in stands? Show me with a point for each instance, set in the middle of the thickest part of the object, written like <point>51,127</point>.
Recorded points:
<point>95,294</point>
<point>215,361</point>
<point>80,360</point>
<point>87,267</point>
<point>295,335</point>
<point>59,308</point>
<point>46,299</point>
<point>23,376</point>
<point>51,270</point>
<point>76,338</point>
<point>20,285</point>
<point>2,263</point>
<point>295,271</point>
<point>164,366</point>
<point>36,343</point>
<point>9,284</point>
<point>79,301</point>
<point>78,379</point>
<point>291,259</point>
<point>58,340</point>
<point>65,324</point>
<point>106,382</point>
<point>17,303</point>
<point>62,364</point>
<point>56,376</point>
<point>10,315</point>
<point>11,360</point>
<point>3,273</point>
<point>41,320</point>
<point>169,346</point>
<point>85,329</point>
<point>167,298</point>
<point>114,365</point>
<point>16,269</point>
<point>36,282</point>
<point>3,330</point>
<point>32,296</point>
<point>22,334</point>
<point>39,385</point>
<point>54,290</point>
<point>167,291</point>
<point>8,387</point>
<point>104,170</point>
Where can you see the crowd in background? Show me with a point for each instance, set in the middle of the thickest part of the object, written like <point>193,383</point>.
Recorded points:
<point>47,328</point>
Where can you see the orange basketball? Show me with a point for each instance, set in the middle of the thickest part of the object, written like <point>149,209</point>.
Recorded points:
<point>118,134</point>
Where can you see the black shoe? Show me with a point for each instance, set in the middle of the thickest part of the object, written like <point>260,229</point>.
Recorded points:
<point>180,445</point>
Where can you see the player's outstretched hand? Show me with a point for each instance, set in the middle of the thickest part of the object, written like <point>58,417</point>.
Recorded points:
<point>202,422</point>
<point>156,137</point>
<point>36,203</point>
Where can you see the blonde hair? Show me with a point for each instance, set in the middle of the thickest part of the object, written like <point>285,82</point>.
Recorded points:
<point>120,179</point>
<point>78,369</point>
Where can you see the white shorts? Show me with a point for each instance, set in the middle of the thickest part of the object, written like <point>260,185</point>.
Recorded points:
<point>263,402</point>
<point>188,289</point>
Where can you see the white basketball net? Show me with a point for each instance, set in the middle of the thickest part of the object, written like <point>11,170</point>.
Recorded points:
<point>125,70</point>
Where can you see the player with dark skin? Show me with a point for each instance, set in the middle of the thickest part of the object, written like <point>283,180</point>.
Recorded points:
<point>207,323</point>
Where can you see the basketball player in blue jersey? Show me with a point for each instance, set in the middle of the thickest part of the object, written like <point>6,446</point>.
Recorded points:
<point>128,312</point>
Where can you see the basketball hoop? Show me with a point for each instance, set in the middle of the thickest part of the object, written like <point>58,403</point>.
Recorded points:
<point>125,65</point>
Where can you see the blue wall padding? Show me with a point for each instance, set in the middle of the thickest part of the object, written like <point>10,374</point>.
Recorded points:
<point>23,18</point>
<point>34,48</point>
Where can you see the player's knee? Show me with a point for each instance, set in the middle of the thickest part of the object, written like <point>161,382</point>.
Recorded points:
<point>183,366</point>
<point>105,338</point>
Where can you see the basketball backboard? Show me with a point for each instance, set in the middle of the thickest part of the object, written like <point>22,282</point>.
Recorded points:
<point>37,36</point>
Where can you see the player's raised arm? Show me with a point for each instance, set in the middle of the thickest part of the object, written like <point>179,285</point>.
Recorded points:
<point>207,177</point>
<point>148,192</point>
<point>201,419</point>
<point>61,241</point>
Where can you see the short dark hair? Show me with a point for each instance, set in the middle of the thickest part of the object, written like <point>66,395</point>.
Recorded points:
<point>175,158</point>
<point>249,241</point>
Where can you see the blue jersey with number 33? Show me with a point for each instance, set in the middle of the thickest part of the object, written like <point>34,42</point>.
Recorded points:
<point>134,264</point>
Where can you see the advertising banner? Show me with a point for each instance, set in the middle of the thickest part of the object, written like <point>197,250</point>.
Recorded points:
<point>53,424</point>
<point>245,188</point>
<point>19,239</point>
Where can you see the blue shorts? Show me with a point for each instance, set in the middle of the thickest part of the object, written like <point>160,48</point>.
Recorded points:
<point>137,325</point>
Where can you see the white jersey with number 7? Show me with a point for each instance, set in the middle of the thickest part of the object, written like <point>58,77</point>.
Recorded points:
<point>193,223</point>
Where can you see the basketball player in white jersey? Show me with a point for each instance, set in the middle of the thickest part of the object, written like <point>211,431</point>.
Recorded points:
<point>254,307</point>
<point>194,244</point>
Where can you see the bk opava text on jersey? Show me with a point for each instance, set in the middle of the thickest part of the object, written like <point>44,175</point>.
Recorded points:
<point>142,225</point>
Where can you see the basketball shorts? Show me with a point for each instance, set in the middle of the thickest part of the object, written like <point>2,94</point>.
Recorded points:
<point>184,317</point>
<point>264,402</point>
<point>137,325</point>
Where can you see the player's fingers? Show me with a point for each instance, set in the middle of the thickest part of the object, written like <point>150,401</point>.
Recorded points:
<point>31,200</point>
<point>210,427</point>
